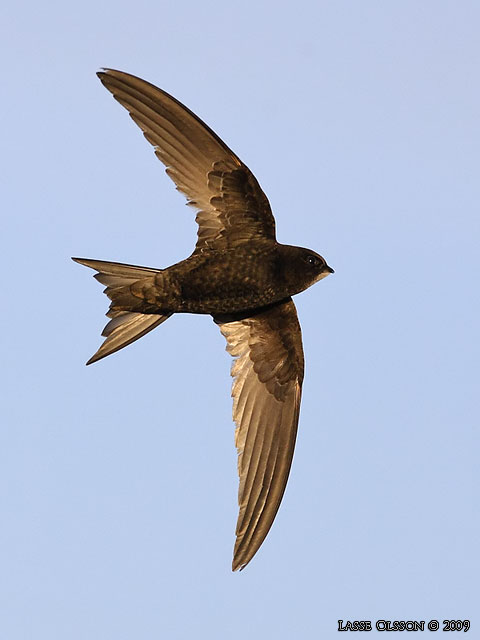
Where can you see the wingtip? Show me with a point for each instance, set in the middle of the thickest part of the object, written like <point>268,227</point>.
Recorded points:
<point>103,73</point>
<point>107,71</point>
<point>237,565</point>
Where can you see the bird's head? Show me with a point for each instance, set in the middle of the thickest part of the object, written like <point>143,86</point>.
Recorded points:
<point>303,267</point>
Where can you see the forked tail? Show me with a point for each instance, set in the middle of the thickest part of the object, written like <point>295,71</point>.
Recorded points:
<point>125,326</point>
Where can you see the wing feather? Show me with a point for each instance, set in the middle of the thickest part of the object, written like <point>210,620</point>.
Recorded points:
<point>232,206</point>
<point>268,375</point>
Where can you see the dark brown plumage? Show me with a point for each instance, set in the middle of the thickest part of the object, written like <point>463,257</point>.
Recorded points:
<point>240,275</point>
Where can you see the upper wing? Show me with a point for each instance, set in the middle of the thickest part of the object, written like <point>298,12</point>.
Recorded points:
<point>268,375</point>
<point>232,206</point>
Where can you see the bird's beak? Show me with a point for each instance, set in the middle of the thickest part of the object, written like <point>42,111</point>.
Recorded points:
<point>324,273</point>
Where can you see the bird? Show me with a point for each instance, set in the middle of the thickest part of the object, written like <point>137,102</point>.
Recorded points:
<point>240,275</point>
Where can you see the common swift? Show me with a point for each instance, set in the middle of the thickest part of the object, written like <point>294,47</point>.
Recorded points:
<point>240,275</point>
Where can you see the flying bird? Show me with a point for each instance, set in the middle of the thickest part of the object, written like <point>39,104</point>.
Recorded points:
<point>240,275</point>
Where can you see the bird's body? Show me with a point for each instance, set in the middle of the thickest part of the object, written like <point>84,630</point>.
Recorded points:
<point>239,274</point>
<point>219,282</point>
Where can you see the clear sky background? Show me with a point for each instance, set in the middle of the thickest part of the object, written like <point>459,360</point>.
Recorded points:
<point>118,481</point>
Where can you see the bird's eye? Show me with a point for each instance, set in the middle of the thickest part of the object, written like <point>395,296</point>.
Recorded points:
<point>312,260</point>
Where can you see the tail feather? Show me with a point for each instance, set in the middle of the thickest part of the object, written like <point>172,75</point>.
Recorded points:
<point>125,326</point>
<point>104,267</point>
<point>124,329</point>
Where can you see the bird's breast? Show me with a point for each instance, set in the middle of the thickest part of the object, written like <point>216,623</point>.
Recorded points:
<point>229,282</point>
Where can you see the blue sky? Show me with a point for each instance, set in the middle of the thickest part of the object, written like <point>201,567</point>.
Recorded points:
<point>118,481</point>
